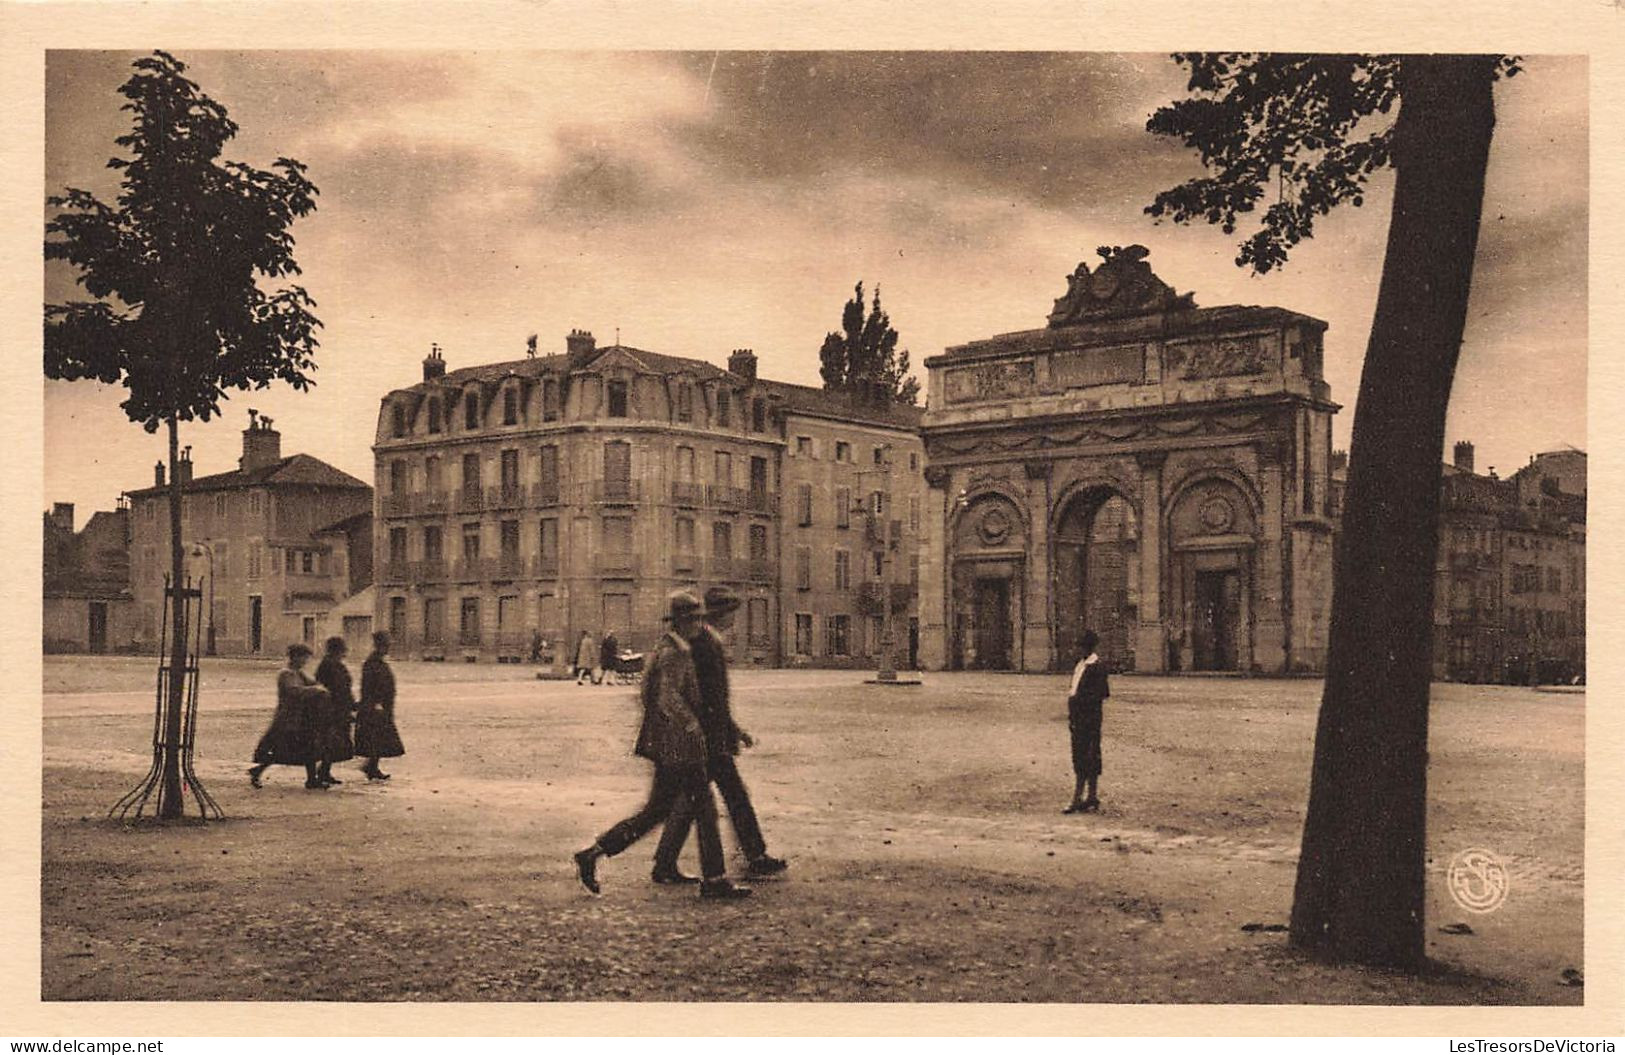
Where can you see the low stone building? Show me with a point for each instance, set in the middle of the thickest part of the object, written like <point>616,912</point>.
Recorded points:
<point>1149,469</point>
<point>275,536</point>
<point>87,606</point>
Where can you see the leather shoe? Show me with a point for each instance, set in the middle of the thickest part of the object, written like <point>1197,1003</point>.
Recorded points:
<point>672,876</point>
<point>377,774</point>
<point>766,865</point>
<point>587,869</point>
<point>722,889</point>
<point>315,785</point>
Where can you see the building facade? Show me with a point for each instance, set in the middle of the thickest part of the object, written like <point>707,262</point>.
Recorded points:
<point>262,534</point>
<point>87,606</point>
<point>549,495</point>
<point>1148,469</point>
<point>1509,594</point>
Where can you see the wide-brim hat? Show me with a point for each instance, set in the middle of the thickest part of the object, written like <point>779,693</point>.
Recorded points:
<point>719,600</point>
<point>681,603</point>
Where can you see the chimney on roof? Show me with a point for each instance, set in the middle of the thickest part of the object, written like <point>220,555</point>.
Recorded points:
<point>262,445</point>
<point>1338,461</point>
<point>743,363</point>
<point>158,474</point>
<point>183,467</point>
<point>1464,456</point>
<point>62,516</point>
<point>579,348</point>
<point>434,364</point>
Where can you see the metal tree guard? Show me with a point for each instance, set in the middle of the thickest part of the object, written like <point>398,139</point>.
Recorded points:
<point>133,804</point>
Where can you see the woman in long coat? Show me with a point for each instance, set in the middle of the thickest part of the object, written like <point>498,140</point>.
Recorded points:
<point>334,732</point>
<point>375,733</point>
<point>1088,692</point>
<point>290,740</point>
<point>586,656</point>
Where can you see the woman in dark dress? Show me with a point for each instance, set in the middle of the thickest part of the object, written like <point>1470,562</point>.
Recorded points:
<point>1083,713</point>
<point>334,733</point>
<point>291,740</point>
<point>375,733</point>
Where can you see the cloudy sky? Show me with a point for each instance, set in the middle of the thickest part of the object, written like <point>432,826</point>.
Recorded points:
<point>700,202</point>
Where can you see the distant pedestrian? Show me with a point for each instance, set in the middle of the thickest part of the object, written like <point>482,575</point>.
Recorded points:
<point>333,733</point>
<point>1083,714</point>
<point>671,736</point>
<point>536,646</point>
<point>375,733</point>
<point>586,656</point>
<point>291,739</point>
<point>609,657</point>
<point>723,738</point>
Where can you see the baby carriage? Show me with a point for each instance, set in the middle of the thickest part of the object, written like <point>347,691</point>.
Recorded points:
<point>628,669</point>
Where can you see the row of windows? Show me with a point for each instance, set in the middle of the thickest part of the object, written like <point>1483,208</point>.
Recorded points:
<point>617,405</point>
<point>838,640</point>
<point>615,533</point>
<point>512,618</point>
<point>1526,578</point>
<point>617,466</point>
<point>221,503</point>
<point>877,505</point>
<point>807,447</point>
<point>1525,621</point>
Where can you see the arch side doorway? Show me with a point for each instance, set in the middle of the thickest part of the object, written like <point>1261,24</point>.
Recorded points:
<point>1096,577</point>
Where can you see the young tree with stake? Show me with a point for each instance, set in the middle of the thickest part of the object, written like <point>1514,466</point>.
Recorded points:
<point>173,264</point>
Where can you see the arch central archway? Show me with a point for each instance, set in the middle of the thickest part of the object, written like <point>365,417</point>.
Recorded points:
<point>1096,581</point>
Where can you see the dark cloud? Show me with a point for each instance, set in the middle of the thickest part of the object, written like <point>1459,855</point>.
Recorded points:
<point>1062,130</point>
<point>598,182</point>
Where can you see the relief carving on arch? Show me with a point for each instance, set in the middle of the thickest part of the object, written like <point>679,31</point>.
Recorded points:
<point>1212,507</point>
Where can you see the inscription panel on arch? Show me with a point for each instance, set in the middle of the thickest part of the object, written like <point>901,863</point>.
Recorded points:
<point>989,381</point>
<point>1218,357</point>
<point>1088,367</point>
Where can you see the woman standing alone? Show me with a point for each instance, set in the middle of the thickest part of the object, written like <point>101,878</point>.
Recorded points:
<point>375,733</point>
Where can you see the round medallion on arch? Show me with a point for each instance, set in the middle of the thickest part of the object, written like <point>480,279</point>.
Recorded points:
<point>994,527</point>
<point>1217,514</point>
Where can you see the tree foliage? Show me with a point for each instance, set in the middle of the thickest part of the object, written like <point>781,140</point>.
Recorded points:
<point>179,317</point>
<point>864,353</point>
<point>1309,129</point>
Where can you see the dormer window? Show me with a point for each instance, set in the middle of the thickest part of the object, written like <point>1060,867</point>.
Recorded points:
<point>399,421</point>
<point>471,411</point>
<point>685,401</point>
<point>758,415</point>
<point>510,406</point>
<point>434,414</point>
<point>617,399</point>
<point>550,399</point>
<point>723,408</point>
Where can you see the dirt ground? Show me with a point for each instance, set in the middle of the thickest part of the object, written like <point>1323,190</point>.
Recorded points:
<point>929,860</point>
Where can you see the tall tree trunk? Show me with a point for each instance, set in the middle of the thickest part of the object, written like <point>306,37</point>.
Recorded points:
<point>170,804</point>
<point>1360,882</point>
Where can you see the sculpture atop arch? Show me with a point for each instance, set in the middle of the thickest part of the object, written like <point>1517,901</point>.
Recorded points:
<point>1168,466</point>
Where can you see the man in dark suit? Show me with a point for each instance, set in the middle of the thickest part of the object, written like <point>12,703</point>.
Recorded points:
<point>672,737</point>
<point>723,739</point>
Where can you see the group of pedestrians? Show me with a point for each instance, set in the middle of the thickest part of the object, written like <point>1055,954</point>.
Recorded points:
<point>689,733</point>
<point>312,724</point>
<point>595,661</point>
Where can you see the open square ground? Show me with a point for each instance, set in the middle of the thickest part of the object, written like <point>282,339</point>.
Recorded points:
<point>929,859</point>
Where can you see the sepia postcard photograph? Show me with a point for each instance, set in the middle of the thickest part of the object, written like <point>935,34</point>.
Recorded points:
<point>861,524</point>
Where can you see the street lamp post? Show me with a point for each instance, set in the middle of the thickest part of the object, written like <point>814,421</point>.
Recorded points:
<point>207,550</point>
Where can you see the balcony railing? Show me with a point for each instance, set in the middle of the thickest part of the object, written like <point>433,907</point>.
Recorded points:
<point>726,569</point>
<point>473,569</point>
<point>545,567</point>
<point>433,502</point>
<point>509,566</point>
<point>762,570</point>
<point>724,496</point>
<point>428,571</point>
<point>681,562</point>
<point>468,638</point>
<point>613,491</point>
<point>397,571</point>
<point>869,596</point>
<point>470,500</point>
<point>617,563</point>
<point>400,504</point>
<point>510,496</point>
<point>545,493</point>
<point>762,501</point>
<point>687,493</point>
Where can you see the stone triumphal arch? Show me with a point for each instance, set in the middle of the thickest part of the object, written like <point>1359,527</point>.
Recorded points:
<point>1151,470</point>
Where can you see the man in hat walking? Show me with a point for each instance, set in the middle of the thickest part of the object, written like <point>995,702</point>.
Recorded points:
<point>674,740</point>
<point>723,738</point>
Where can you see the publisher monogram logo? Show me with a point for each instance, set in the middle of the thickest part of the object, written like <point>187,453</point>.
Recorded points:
<point>1478,881</point>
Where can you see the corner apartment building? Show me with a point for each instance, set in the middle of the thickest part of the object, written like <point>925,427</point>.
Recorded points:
<point>275,534</point>
<point>561,493</point>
